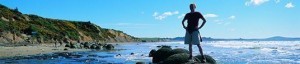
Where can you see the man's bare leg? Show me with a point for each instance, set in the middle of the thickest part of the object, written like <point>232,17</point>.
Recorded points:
<point>190,50</point>
<point>201,52</point>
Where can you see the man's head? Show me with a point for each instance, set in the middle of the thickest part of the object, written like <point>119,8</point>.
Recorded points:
<point>192,7</point>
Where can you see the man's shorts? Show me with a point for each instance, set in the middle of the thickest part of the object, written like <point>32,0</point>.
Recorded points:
<point>193,38</point>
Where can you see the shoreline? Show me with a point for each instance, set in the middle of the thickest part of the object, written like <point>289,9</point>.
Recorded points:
<point>6,52</point>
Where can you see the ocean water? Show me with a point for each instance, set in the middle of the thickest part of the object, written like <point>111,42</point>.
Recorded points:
<point>224,52</point>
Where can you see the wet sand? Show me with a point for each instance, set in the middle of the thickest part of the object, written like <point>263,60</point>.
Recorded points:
<point>33,50</point>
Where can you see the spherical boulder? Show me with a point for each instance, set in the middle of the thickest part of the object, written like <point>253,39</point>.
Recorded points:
<point>67,45</point>
<point>178,50</point>
<point>75,45</point>
<point>152,52</point>
<point>93,46</point>
<point>208,58</point>
<point>161,54</point>
<point>180,58</point>
<point>98,47</point>
<point>109,47</point>
<point>87,45</point>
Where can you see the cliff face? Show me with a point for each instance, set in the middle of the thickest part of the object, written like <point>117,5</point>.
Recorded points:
<point>16,27</point>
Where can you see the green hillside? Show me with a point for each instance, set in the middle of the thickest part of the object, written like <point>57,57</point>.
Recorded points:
<point>17,28</point>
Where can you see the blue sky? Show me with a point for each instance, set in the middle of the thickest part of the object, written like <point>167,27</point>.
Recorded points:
<point>162,18</point>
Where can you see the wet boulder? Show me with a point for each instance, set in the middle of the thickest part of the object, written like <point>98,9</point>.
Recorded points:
<point>179,50</point>
<point>152,52</point>
<point>67,45</point>
<point>180,58</point>
<point>81,45</point>
<point>109,47</point>
<point>98,47</point>
<point>93,46</point>
<point>208,58</point>
<point>66,49</point>
<point>161,54</point>
<point>87,45</point>
<point>72,45</point>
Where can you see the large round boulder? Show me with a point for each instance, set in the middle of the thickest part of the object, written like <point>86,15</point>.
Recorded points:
<point>87,45</point>
<point>93,46</point>
<point>179,50</point>
<point>152,52</point>
<point>180,58</point>
<point>109,47</point>
<point>75,45</point>
<point>161,54</point>
<point>98,47</point>
<point>208,58</point>
<point>67,45</point>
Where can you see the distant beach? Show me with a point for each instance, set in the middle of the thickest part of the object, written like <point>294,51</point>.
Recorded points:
<point>33,50</point>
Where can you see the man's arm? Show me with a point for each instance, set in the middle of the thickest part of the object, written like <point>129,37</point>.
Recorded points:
<point>183,22</point>
<point>203,23</point>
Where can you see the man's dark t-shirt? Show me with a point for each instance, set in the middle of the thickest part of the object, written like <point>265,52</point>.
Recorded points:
<point>193,20</point>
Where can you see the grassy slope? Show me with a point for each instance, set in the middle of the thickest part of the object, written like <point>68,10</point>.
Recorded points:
<point>47,28</point>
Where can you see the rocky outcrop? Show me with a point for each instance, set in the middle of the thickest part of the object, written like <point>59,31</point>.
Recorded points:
<point>166,55</point>
<point>90,45</point>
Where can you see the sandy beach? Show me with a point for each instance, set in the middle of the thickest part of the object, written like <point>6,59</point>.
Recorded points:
<point>33,50</point>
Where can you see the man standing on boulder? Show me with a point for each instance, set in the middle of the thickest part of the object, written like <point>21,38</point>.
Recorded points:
<point>192,36</point>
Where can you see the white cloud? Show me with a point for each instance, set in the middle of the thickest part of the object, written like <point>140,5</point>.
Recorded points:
<point>155,14</point>
<point>218,21</point>
<point>180,16</point>
<point>210,15</point>
<point>277,1</point>
<point>231,17</point>
<point>289,5</point>
<point>158,16</point>
<point>255,2</point>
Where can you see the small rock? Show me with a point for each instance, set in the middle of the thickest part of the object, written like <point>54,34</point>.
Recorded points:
<point>67,45</point>
<point>140,63</point>
<point>118,55</point>
<point>93,55</point>
<point>165,46</point>
<point>65,49</point>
